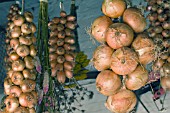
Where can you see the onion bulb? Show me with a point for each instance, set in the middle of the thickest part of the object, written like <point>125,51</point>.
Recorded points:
<point>165,82</point>
<point>168,59</point>
<point>15,91</point>
<point>33,50</point>
<point>7,85</point>
<point>17,77</point>
<point>21,109</point>
<point>144,46</point>
<point>99,27</point>
<point>27,100</point>
<point>135,19</point>
<point>22,50</point>
<point>14,56</point>
<point>29,62</point>
<point>158,64</point>
<point>122,102</point>
<point>107,82</point>
<point>68,73</point>
<point>101,57</point>
<point>119,35</point>
<point>27,85</point>
<point>113,8</point>
<point>11,104</point>
<point>166,68</point>
<point>61,77</point>
<point>18,65</point>
<point>32,110</point>
<point>137,78</point>
<point>28,16</point>
<point>124,61</point>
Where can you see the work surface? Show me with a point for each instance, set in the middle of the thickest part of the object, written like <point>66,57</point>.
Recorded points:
<point>96,105</point>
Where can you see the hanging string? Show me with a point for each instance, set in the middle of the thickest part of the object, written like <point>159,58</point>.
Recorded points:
<point>22,10</point>
<point>61,5</point>
<point>73,12</point>
<point>73,8</point>
<point>72,1</point>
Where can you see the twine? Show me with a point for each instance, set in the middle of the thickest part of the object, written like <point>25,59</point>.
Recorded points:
<point>44,1</point>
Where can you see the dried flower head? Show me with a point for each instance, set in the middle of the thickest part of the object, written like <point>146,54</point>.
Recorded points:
<point>37,64</point>
<point>40,96</point>
<point>46,82</point>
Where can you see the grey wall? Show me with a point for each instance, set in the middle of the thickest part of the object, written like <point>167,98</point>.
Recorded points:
<point>87,11</point>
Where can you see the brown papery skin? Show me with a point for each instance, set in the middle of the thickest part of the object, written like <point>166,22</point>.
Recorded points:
<point>99,27</point>
<point>28,85</point>
<point>122,102</point>
<point>165,83</point>
<point>61,77</point>
<point>28,16</point>
<point>119,35</point>
<point>144,46</point>
<point>137,78</point>
<point>101,57</point>
<point>11,104</point>
<point>69,74</point>
<point>134,18</point>
<point>21,109</point>
<point>113,8</point>
<point>22,50</point>
<point>168,59</point>
<point>17,78</point>
<point>124,61</point>
<point>107,82</point>
<point>27,100</point>
<point>15,91</point>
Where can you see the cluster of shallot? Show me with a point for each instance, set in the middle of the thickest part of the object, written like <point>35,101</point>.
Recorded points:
<point>159,30</point>
<point>61,46</point>
<point>19,85</point>
<point>124,53</point>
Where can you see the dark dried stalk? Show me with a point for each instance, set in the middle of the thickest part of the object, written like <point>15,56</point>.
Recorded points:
<point>42,43</point>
